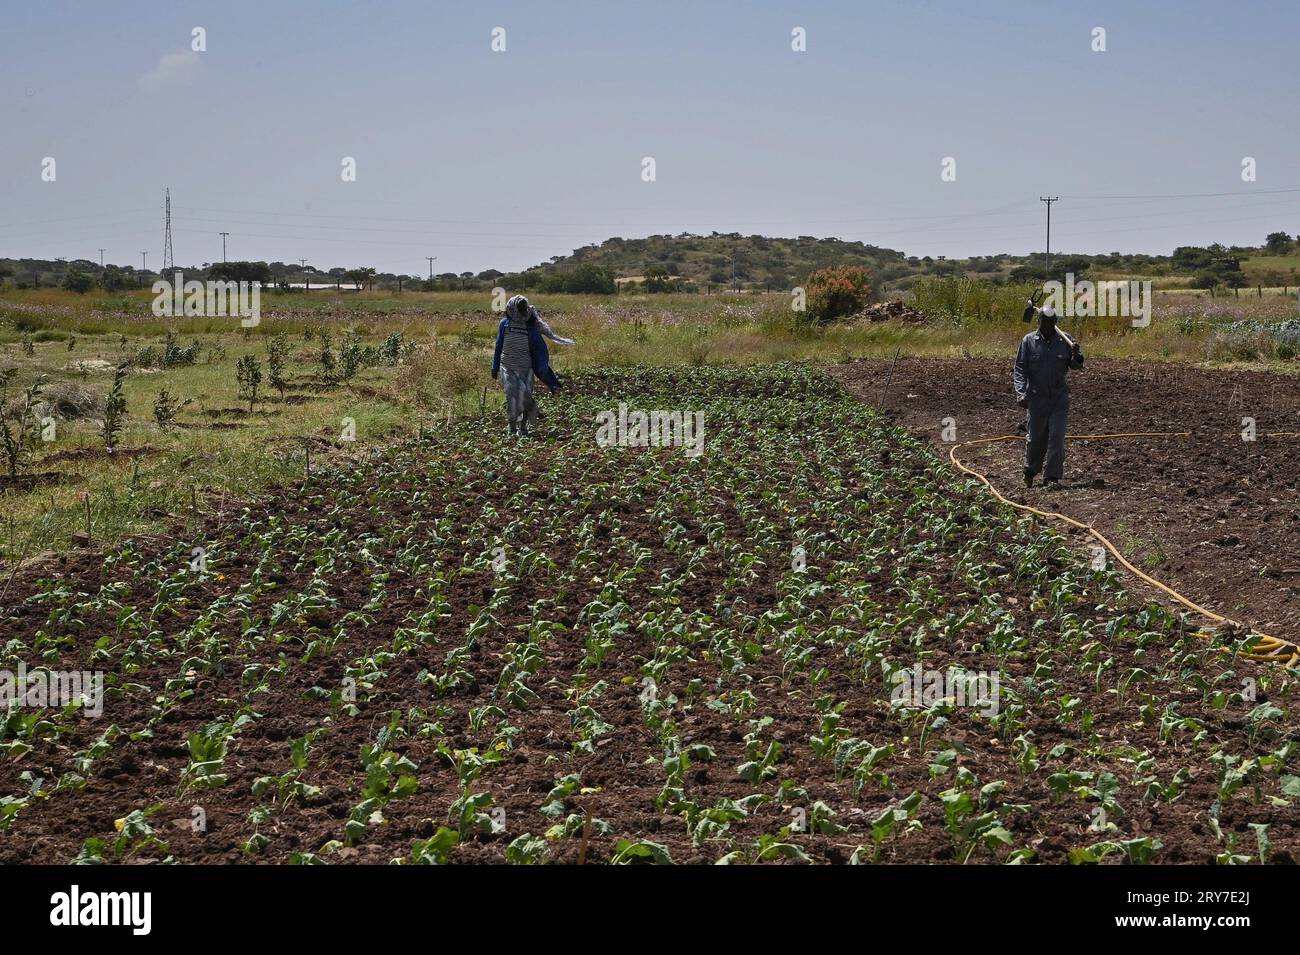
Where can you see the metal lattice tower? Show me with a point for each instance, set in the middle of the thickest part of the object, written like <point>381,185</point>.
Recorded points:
<point>167,235</point>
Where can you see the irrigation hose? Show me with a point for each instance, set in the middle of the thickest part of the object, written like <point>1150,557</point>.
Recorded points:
<point>1267,648</point>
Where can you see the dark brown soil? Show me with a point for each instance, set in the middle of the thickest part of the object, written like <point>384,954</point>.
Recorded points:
<point>99,453</point>
<point>1213,516</point>
<point>214,425</point>
<point>441,491</point>
<point>25,482</point>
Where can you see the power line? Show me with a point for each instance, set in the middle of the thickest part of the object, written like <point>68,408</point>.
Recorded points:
<point>1197,195</point>
<point>1000,210</point>
<point>94,215</point>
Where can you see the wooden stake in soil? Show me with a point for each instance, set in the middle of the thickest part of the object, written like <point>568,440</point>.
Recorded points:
<point>890,378</point>
<point>85,496</point>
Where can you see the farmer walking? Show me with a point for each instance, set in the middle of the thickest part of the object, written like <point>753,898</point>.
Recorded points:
<point>1042,363</point>
<point>520,358</point>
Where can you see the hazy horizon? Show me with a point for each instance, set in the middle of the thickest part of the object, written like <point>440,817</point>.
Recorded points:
<point>504,159</point>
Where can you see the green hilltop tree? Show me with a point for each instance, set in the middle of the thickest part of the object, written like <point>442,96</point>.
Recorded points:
<point>1277,243</point>
<point>240,272</point>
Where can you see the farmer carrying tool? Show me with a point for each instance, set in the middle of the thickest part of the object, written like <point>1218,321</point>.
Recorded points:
<point>1042,363</point>
<point>520,357</point>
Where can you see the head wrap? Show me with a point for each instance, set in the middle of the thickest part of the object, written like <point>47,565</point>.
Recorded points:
<point>518,310</point>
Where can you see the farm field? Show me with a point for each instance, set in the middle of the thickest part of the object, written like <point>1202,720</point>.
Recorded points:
<point>1213,515</point>
<point>393,363</point>
<point>461,649</point>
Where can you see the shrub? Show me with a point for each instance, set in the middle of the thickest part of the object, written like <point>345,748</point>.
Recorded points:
<point>351,356</point>
<point>395,349</point>
<point>165,408</point>
<point>178,356</point>
<point>327,359</point>
<point>248,375</point>
<point>277,350</point>
<point>78,282</point>
<point>114,410</point>
<point>437,372</point>
<point>19,438</point>
<point>836,292</point>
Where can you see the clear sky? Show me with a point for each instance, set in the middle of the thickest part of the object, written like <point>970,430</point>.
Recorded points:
<point>503,159</point>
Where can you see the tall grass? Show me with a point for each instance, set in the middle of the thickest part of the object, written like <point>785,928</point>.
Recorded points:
<point>962,299</point>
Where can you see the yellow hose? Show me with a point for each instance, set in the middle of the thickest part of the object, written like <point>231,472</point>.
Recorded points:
<point>1268,648</point>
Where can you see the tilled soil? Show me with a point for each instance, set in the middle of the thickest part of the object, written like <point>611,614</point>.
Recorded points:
<point>784,453</point>
<point>1214,516</point>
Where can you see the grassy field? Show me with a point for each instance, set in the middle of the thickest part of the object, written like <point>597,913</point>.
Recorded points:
<point>1257,265</point>
<point>222,447</point>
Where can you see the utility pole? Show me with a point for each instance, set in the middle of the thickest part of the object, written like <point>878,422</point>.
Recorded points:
<point>306,282</point>
<point>143,267</point>
<point>101,260</point>
<point>223,246</point>
<point>1049,201</point>
<point>432,259</point>
<point>167,235</point>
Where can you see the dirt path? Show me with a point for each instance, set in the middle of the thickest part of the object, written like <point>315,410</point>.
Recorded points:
<point>1216,517</point>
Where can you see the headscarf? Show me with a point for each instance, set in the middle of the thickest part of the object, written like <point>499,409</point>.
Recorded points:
<point>519,311</point>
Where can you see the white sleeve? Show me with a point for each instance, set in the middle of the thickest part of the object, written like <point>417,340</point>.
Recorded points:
<point>547,333</point>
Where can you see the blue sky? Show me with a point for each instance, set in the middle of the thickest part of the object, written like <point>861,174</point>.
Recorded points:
<point>503,160</point>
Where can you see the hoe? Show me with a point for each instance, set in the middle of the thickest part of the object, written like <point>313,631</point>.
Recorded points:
<point>1031,309</point>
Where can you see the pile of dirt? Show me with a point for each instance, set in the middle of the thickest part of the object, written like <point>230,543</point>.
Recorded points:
<point>884,311</point>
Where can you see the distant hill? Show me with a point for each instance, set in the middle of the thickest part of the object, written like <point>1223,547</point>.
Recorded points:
<point>689,262</point>
<point>713,260</point>
<point>698,263</point>
<point>702,262</point>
